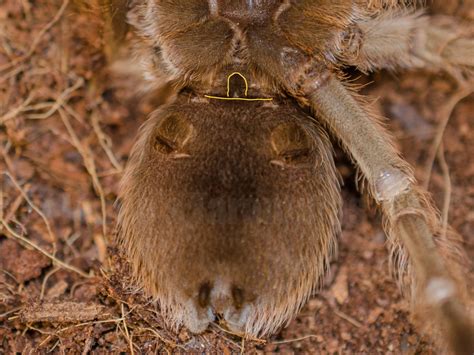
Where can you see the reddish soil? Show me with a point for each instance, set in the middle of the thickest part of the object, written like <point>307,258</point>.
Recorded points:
<point>66,128</point>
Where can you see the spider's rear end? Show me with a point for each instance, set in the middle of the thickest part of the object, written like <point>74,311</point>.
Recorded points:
<point>230,209</point>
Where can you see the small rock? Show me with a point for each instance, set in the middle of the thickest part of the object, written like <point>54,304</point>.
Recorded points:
<point>57,290</point>
<point>345,336</point>
<point>315,304</point>
<point>340,288</point>
<point>373,315</point>
<point>24,264</point>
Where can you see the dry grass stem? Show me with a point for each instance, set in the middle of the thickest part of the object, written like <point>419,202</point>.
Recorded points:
<point>38,38</point>
<point>105,142</point>
<point>17,110</point>
<point>164,340</point>
<point>294,340</point>
<point>348,318</point>
<point>105,321</point>
<point>23,193</point>
<point>444,115</point>
<point>89,164</point>
<point>127,333</point>
<point>45,281</point>
<point>55,260</point>
<point>58,103</point>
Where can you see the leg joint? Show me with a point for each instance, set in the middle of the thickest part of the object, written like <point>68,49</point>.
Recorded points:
<point>391,183</point>
<point>439,289</point>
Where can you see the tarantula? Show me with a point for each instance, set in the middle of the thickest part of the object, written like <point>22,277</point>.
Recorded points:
<point>230,201</point>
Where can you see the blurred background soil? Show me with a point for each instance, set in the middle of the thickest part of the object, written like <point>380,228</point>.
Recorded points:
<point>66,128</point>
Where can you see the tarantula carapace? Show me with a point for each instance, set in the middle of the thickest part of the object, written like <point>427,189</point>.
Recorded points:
<point>230,201</point>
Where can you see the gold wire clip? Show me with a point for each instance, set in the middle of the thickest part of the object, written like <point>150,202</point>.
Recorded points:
<point>237,98</point>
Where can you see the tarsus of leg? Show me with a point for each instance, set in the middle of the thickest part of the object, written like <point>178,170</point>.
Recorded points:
<point>411,219</point>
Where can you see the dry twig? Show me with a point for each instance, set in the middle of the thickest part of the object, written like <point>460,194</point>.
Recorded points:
<point>344,316</point>
<point>17,110</point>
<point>38,38</point>
<point>311,336</point>
<point>105,142</point>
<point>444,114</point>
<point>89,164</point>
<point>127,333</point>
<point>32,205</point>
<point>57,104</point>
<point>55,260</point>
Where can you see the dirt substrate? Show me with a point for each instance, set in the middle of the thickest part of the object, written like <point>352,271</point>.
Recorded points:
<point>66,129</point>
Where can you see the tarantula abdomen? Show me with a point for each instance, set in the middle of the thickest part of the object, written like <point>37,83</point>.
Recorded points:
<point>229,211</point>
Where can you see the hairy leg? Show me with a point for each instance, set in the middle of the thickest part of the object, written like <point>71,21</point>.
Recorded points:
<point>113,14</point>
<point>413,224</point>
<point>115,17</point>
<point>409,40</point>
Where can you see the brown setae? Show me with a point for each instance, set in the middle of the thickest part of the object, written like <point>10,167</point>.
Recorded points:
<point>230,201</point>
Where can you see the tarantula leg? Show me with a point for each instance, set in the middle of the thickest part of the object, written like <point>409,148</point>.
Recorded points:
<point>412,222</point>
<point>409,40</point>
<point>439,289</point>
<point>114,13</point>
<point>113,16</point>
